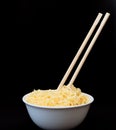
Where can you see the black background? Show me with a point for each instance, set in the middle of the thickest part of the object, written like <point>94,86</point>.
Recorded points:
<point>38,48</point>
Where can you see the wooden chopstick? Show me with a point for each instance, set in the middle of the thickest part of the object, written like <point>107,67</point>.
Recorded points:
<point>103,22</point>
<point>95,23</point>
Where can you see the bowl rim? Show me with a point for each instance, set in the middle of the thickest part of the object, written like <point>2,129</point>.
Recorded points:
<point>59,107</point>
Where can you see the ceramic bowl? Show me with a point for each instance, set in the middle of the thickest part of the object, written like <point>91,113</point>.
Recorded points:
<point>58,118</point>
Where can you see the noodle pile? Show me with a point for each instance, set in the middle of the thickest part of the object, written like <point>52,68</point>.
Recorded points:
<point>65,96</point>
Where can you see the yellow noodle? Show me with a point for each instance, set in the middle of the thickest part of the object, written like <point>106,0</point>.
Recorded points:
<point>65,96</point>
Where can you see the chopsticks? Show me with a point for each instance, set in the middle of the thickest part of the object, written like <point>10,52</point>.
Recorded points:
<point>103,22</point>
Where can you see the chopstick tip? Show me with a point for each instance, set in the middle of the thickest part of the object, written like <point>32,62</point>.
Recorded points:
<point>107,13</point>
<point>100,14</point>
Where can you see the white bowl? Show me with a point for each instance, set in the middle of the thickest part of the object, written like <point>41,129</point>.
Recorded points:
<point>58,118</point>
